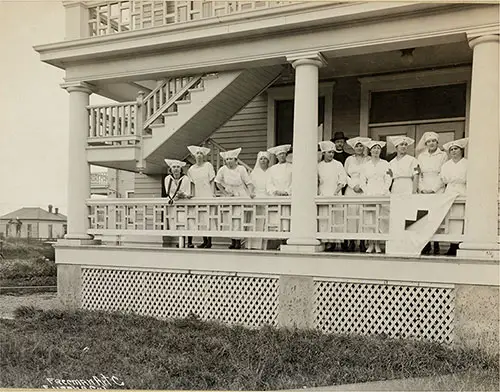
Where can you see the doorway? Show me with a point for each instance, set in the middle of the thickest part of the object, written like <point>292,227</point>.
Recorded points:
<point>447,132</point>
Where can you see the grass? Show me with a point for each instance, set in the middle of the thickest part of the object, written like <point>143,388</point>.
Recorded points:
<point>146,353</point>
<point>27,263</point>
<point>19,248</point>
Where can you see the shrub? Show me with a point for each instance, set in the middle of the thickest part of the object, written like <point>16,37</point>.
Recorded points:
<point>24,248</point>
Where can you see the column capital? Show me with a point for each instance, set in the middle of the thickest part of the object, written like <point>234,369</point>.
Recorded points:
<point>483,34</point>
<point>314,58</point>
<point>77,86</point>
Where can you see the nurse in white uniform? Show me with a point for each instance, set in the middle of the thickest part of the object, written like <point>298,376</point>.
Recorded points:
<point>331,179</point>
<point>454,176</point>
<point>353,166</point>
<point>375,181</point>
<point>403,167</point>
<point>430,160</point>
<point>177,187</point>
<point>233,180</point>
<point>279,183</point>
<point>202,175</point>
<point>259,177</point>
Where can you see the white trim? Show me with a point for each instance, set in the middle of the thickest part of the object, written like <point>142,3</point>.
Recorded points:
<point>408,80</point>
<point>286,93</point>
<point>437,270</point>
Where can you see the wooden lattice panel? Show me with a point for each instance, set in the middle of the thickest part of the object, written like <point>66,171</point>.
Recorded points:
<point>245,300</point>
<point>400,311</point>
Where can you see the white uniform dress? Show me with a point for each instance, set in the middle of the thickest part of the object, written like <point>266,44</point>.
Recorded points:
<point>375,182</point>
<point>330,176</point>
<point>353,166</point>
<point>454,176</point>
<point>201,176</point>
<point>280,179</point>
<point>259,179</point>
<point>236,181</point>
<point>430,167</point>
<point>176,218</point>
<point>403,170</point>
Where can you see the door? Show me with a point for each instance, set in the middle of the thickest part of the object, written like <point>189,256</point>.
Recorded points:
<point>447,132</point>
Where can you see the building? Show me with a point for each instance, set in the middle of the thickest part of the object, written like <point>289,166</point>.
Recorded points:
<point>255,75</point>
<point>34,222</point>
<point>112,183</point>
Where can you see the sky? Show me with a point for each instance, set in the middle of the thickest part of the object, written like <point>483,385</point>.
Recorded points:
<point>34,109</point>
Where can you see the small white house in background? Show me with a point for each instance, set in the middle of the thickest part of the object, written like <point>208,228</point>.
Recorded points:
<point>112,183</point>
<point>34,222</point>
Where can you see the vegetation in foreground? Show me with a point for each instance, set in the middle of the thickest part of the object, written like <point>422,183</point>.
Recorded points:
<point>146,353</point>
<point>27,263</point>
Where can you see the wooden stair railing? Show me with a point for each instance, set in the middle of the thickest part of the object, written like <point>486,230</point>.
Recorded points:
<point>165,95</point>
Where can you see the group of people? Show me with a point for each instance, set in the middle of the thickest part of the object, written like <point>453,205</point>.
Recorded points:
<point>339,173</point>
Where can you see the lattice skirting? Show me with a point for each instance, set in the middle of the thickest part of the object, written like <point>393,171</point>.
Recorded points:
<point>401,311</point>
<point>245,300</point>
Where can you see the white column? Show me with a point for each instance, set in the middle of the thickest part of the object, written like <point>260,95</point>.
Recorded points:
<point>78,166</point>
<point>481,227</point>
<point>305,147</point>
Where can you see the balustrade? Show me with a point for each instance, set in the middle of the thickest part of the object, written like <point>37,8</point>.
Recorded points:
<point>120,16</point>
<point>337,218</point>
<point>115,123</point>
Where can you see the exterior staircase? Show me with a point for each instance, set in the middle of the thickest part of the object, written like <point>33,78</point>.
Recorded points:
<point>139,135</point>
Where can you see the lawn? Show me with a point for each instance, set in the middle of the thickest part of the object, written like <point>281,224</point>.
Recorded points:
<point>27,263</point>
<point>146,353</point>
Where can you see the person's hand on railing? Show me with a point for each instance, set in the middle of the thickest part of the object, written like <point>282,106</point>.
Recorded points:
<point>357,189</point>
<point>390,173</point>
<point>252,195</point>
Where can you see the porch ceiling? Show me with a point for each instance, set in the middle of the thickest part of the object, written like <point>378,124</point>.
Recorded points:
<point>391,61</point>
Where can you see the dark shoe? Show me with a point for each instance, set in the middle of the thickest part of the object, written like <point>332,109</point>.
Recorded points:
<point>345,246</point>
<point>352,246</point>
<point>208,246</point>
<point>203,245</point>
<point>233,244</point>
<point>238,244</point>
<point>437,250</point>
<point>190,246</point>
<point>452,251</point>
<point>329,247</point>
<point>362,246</point>
<point>427,249</point>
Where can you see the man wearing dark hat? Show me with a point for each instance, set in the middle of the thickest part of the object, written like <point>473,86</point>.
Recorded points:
<point>339,154</point>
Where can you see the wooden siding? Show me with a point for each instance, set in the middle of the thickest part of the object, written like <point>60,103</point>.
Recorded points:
<point>147,186</point>
<point>246,129</point>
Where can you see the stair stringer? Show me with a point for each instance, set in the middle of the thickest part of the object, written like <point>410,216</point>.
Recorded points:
<point>206,112</point>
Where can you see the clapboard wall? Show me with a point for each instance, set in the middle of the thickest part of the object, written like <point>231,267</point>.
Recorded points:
<point>246,129</point>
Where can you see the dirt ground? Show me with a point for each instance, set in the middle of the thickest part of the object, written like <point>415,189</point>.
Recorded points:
<point>8,303</point>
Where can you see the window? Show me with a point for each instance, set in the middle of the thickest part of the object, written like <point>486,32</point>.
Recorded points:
<point>29,229</point>
<point>418,104</point>
<point>129,194</point>
<point>284,119</point>
<point>50,231</point>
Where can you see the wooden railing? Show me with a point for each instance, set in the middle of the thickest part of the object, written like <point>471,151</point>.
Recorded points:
<point>115,123</point>
<point>221,217</point>
<point>164,97</point>
<point>109,17</point>
<point>338,218</point>
<point>98,179</point>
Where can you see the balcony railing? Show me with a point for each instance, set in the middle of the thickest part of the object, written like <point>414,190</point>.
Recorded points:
<point>99,180</point>
<point>109,17</point>
<point>337,218</point>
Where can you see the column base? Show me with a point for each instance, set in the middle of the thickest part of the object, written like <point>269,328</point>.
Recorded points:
<point>482,251</point>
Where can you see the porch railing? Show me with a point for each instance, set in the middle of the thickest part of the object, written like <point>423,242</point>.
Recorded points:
<point>109,17</point>
<point>337,218</point>
<point>113,123</point>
